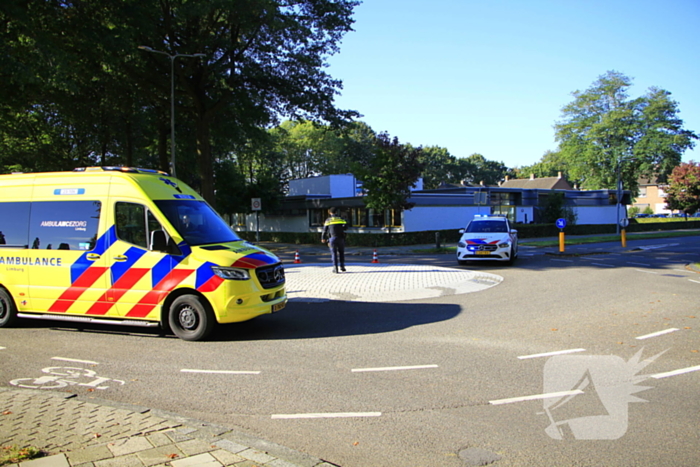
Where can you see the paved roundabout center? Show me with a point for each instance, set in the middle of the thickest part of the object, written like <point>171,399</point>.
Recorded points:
<point>370,282</point>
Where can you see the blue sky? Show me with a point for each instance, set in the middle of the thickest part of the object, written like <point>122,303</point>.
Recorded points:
<point>491,76</point>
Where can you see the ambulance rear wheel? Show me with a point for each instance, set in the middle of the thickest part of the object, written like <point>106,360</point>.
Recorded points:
<point>8,310</point>
<point>190,319</point>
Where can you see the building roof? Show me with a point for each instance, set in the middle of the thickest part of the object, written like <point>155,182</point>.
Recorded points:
<point>544,183</point>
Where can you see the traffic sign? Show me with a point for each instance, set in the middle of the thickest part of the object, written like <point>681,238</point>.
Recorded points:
<point>256,204</point>
<point>624,222</point>
<point>561,223</point>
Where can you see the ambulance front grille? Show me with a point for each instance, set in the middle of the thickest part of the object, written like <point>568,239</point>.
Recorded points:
<point>270,276</point>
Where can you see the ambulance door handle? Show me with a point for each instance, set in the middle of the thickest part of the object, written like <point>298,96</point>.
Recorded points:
<point>93,256</point>
<point>120,258</point>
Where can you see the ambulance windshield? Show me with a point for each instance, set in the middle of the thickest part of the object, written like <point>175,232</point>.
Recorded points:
<point>197,222</point>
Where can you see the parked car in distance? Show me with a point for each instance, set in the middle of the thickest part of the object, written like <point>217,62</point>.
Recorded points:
<point>488,238</point>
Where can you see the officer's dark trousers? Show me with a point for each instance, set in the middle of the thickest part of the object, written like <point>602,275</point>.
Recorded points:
<point>337,246</point>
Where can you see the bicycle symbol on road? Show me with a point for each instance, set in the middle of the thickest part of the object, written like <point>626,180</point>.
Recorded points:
<point>61,377</point>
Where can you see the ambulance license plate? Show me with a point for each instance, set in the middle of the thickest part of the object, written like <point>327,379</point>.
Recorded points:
<point>278,306</point>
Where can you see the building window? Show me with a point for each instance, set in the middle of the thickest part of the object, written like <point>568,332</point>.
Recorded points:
<point>642,192</point>
<point>393,218</point>
<point>358,217</point>
<point>317,217</point>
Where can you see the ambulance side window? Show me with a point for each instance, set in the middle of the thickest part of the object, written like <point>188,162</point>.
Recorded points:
<point>14,225</point>
<point>64,225</point>
<point>134,223</point>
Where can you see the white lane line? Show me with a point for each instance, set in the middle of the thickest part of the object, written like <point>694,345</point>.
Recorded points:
<point>656,334</point>
<point>89,362</point>
<point>691,280</point>
<point>393,368</point>
<point>606,265</point>
<point>221,372</point>
<point>325,415</point>
<point>676,372</point>
<point>648,272</point>
<point>549,354</point>
<point>536,397</point>
<point>2,348</point>
<point>639,264</point>
<point>564,260</point>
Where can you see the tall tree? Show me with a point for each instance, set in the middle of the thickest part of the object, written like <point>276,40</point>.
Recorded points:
<point>604,134</point>
<point>683,192</point>
<point>264,60</point>
<point>388,179</point>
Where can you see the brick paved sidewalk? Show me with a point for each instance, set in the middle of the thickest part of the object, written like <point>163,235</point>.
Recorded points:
<point>76,432</point>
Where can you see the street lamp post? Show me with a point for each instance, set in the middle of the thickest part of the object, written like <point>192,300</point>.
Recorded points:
<point>172,98</point>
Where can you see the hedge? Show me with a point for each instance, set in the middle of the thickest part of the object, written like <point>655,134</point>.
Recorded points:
<point>452,236</point>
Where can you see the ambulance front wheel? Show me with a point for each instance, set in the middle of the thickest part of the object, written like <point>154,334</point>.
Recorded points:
<point>8,310</point>
<point>190,319</point>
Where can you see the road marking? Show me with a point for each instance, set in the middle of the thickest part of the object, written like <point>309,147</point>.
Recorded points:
<point>393,368</point>
<point>639,264</point>
<point>691,280</point>
<point>648,272</point>
<point>564,260</point>
<point>606,265</point>
<point>676,372</point>
<point>656,334</point>
<point>89,362</point>
<point>221,372</point>
<point>2,348</point>
<point>325,415</point>
<point>536,397</point>
<point>549,354</point>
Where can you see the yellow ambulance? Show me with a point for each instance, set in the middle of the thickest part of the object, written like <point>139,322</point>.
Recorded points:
<point>127,246</point>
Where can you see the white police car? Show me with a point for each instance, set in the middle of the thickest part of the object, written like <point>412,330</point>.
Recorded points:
<point>488,238</point>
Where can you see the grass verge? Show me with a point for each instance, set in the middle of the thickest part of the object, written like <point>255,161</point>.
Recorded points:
<point>15,455</point>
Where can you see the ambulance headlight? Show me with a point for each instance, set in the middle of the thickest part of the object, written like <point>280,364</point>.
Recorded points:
<point>235,274</point>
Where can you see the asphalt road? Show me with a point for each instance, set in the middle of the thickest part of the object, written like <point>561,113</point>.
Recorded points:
<point>455,380</point>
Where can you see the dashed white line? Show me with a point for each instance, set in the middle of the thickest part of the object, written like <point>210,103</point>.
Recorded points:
<point>2,348</point>
<point>691,280</point>
<point>656,334</point>
<point>221,372</point>
<point>549,354</point>
<point>549,395</point>
<point>606,265</point>
<point>639,264</point>
<point>393,368</point>
<point>648,272</point>
<point>325,415</point>
<point>563,260</point>
<point>88,362</point>
<point>676,372</point>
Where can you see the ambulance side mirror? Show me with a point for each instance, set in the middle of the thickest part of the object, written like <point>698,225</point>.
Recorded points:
<point>158,241</point>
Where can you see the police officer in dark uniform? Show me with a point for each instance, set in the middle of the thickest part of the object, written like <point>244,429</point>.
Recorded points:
<point>334,232</point>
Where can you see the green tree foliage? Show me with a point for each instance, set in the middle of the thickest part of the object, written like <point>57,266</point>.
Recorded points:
<point>80,86</point>
<point>683,192</point>
<point>603,132</point>
<point>439,166</point>
<point>553,207</point>
<point>393,170</point>
<point>480,170</point>
<point>550,165</point>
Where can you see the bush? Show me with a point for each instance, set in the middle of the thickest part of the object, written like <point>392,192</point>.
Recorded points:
<point>452,236</point>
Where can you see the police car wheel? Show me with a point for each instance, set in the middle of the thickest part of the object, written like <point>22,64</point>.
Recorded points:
<point>190,319</point>
<point>8,310</point>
